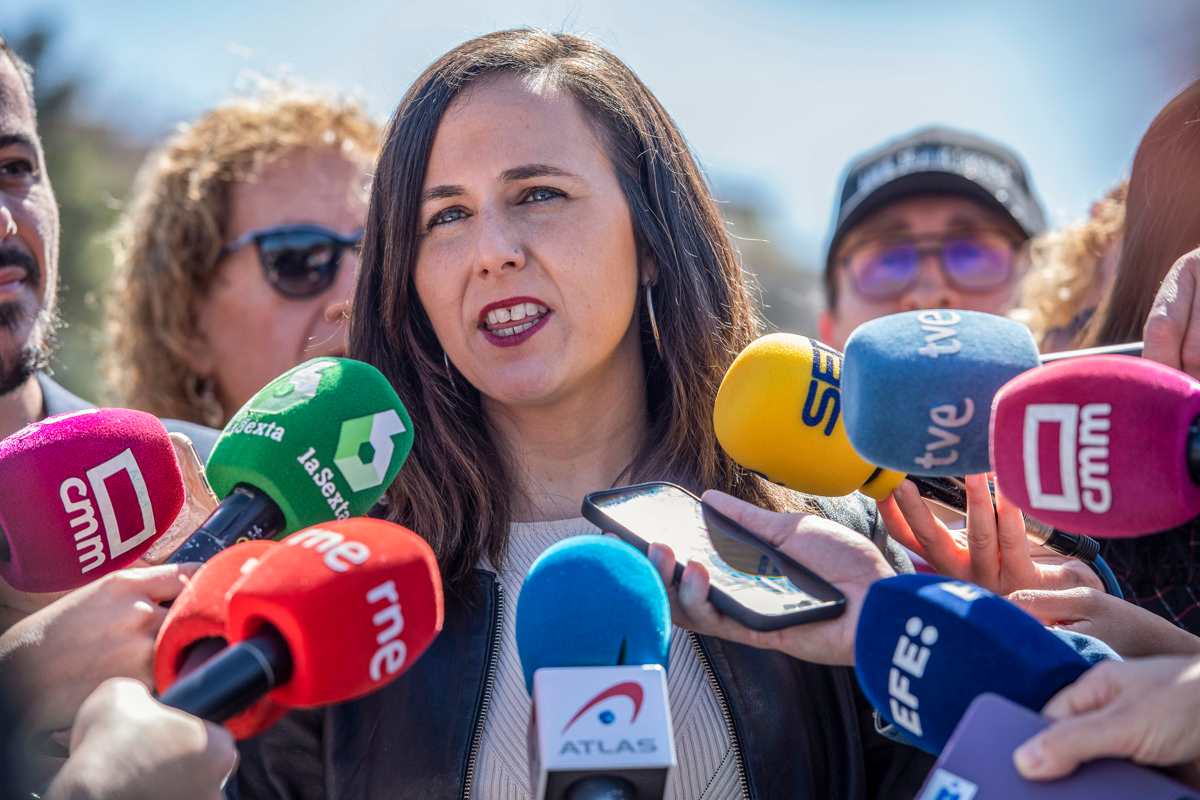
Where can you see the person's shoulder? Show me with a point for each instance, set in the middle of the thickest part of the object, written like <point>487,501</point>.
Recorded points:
<point>855,511</point>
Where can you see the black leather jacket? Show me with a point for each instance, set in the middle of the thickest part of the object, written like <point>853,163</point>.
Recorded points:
<point>802,730</point>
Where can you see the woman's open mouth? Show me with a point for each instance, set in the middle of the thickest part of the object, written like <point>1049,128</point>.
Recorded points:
<point>510,322</point>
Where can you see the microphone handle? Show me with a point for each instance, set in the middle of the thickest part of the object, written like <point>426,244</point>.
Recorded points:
<point>245,513</point>
<point>234,679</point>
<point>601,787</point>
<point>1127,349</point>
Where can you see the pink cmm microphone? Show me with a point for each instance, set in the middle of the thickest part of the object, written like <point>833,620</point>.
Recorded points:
<point>83,494</point>
<point>1103,445</point>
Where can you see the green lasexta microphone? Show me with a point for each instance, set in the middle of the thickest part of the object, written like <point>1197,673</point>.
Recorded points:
<point>322,441</point>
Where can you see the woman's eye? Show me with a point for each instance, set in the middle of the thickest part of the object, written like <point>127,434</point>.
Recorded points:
<point>540,194</point>
<point>447,215</point>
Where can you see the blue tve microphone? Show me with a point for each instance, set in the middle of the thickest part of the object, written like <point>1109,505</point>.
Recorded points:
<point>917,387</point>
<point>593,628</point>
<point>926,646</point>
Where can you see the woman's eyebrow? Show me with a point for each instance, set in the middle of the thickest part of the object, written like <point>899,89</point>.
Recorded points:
<point>521,173</point>
<point>442,191</point>
<point>526,171</point>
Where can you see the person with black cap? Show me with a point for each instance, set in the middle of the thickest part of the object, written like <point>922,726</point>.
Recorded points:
<point>934,219</point>
<point>938,219</point>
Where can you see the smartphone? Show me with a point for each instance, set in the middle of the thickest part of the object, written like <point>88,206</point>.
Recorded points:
<point>748,580</point>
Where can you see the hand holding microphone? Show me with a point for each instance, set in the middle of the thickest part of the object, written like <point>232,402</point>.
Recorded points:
<point>995,551</point>
<point>1144,710</point>
<point>127,745</point>
<point>1131,630</point>
<point>60,654</point>
<point>844,558</point>
<point>1172,332</point>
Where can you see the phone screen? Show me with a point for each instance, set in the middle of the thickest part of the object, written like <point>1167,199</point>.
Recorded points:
<point>667,514</point>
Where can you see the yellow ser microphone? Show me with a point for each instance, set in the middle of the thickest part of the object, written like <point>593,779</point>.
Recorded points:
<point>779,413</point>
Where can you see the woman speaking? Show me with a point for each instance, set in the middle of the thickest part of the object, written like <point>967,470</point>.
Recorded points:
<point>547,283</point>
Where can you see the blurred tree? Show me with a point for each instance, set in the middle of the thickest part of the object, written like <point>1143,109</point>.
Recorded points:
<point>789,291</point>
<point>91,167</point>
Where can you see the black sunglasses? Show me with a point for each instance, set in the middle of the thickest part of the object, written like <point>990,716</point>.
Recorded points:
<point>298,261</point>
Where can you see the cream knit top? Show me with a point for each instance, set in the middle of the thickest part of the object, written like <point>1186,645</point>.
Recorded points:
<point>707,761</point>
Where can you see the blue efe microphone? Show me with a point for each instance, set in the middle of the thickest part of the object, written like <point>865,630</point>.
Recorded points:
<point>926,646</point>
<point>917,387</point>
<point>593,630</point>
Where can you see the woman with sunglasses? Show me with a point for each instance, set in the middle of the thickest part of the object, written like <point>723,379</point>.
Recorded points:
<point>236,258</point>
<point>547,283</point>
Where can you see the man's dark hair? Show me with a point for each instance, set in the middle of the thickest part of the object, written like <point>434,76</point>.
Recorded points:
<point>21,65</point>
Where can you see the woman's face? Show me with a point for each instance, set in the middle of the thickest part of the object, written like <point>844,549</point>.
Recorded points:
<point>252,332</point>
<point>527,265</point>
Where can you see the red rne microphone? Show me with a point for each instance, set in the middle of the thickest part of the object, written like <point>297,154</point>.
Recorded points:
<point>83,494</point>
<point>1103,445</point>
<point>333,613</point>
<point>194,629</point>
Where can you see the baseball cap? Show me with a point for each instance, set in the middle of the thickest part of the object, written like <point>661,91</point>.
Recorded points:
<point>937,160</point>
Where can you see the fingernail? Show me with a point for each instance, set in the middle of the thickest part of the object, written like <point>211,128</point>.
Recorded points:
<point>689,588</point>
<point>655,557</point>
<point>1029,758</point>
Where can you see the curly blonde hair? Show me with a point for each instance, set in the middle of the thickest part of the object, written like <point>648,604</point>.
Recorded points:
<point>1065,266</point>
<point>169,238</point>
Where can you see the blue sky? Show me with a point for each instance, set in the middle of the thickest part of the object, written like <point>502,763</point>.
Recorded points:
<point>773,96</point>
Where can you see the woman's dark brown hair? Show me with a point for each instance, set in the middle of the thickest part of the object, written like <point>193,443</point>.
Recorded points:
<point>1162,223</point>
<point>455,488</point>
<point>1162,219</point>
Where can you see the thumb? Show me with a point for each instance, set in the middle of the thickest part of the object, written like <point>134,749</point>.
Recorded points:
<point>1059,749</point>
<point>771,527</point>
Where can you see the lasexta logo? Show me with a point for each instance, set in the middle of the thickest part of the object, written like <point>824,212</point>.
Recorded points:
<point>628,689</point>
<point>291,389</point>
<point>376,430</point>
<point>83,500</point>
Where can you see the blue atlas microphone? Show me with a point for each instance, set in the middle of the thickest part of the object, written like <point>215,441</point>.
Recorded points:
<point>593,628</point>
<point>926,646</point>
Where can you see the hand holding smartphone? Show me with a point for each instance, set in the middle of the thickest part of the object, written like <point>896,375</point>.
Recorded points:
<point>750,581</point>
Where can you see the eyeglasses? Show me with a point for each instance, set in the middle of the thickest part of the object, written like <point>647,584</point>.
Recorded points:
<point>978,261</point>
<point>298,261</point>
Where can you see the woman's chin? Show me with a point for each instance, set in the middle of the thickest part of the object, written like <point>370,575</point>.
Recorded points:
<point>526,388</point>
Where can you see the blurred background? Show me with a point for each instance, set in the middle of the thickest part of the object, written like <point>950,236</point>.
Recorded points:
<point>775,97</point>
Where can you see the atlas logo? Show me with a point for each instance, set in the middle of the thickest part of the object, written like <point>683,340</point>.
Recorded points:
<point>628,689</point>
<point>291,388</point>
<point>377,430</point>
<point>82,500</point>
<point>1082,456</point>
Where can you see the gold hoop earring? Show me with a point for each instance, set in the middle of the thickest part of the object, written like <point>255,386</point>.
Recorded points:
<point>653,321</point>
<point>449,373</point>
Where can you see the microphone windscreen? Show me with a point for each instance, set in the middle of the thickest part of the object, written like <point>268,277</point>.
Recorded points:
<point>591,601</point>
<point>918,387</point>
<point>1099,445</point>
<point>357,601</point>
<point>199,613</point>
<point>779,413</point>
<point>926,646</point>
<point>84,494</point>
<point>324,440</point>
